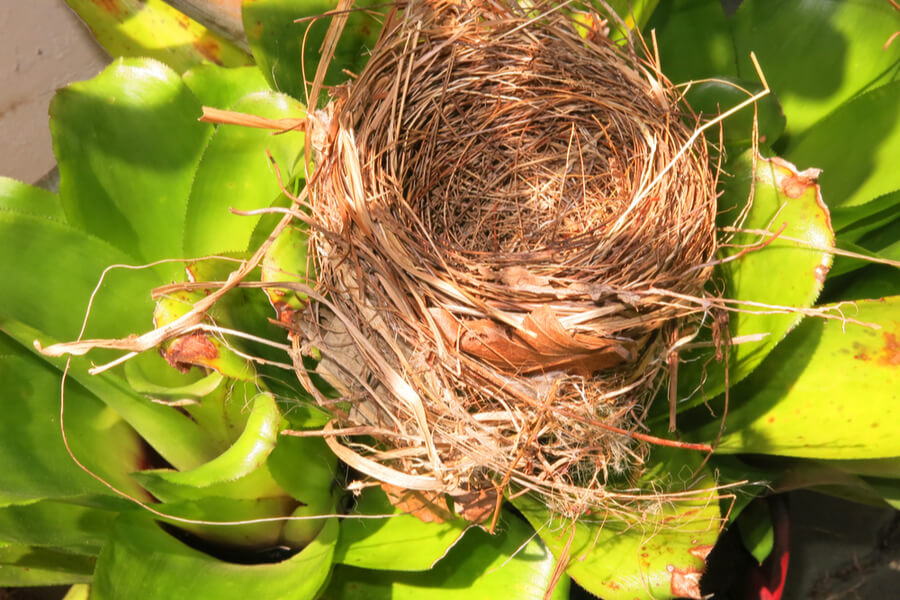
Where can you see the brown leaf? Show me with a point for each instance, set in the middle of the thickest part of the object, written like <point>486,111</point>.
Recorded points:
<point>542,344</point>
<point>428,507</point>
<point>475,506</point>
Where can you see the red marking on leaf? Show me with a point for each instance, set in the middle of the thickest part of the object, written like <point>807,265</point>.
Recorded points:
<point>209,47</point>
<point>110,6</point>
<point>189,350</point>
<point>890,355</point>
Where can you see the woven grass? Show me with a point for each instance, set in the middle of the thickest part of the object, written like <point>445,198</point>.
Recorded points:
<point>505,207</point>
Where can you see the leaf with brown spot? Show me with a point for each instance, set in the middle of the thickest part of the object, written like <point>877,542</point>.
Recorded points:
<point>428,507</point>
<point>154,29</point>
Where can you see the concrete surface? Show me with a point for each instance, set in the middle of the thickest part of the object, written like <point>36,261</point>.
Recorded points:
<point>43,46</point>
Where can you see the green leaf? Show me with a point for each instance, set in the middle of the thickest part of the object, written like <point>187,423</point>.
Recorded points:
<point>26,199</point>
<point>755,526</point>
<point>173,435</point>
<point>874,467</point>
<point>236,173</point>
<point>287,260</point>
<point>786,201</point>
<point>304,467</point>
<point>49,270</point>
<point>277,41</point>
<point>79,591</point>
<point>711,98</point>
<point>400,543</point>
<point>662,556</point>
<point>856,147</point>
<point>22,566</point>
<point>59,524</point>
<point>128,144</point>
<point>266,533</point>
<point>35,461</point>
<point>827,391</point>
<point>853,222</point>
<point>142,561</point>
<point>816,56</point>
<point>149,374</point>
<point>696,41</point>
<point>220,87</point>
<point>510,564</point>
<point>155,29</point>
<point>246,455</point>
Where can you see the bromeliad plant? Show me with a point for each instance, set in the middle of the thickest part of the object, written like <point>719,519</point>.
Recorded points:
<point>197,467</point>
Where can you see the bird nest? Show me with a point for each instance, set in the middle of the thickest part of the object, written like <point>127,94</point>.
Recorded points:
<point>508,209</point>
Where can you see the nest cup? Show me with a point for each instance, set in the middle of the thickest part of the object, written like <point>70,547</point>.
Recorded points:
<point>507,209</point>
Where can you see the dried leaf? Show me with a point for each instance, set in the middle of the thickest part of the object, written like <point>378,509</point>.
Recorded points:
<point>475,506</point>
<point>428,507</point>
<point>541,345</point>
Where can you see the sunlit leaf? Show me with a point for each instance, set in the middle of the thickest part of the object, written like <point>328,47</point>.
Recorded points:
<point>856,147</point>
<point>26,566</point>
<point>119,178</point>
<point>805,399</point>
<point>220,87</point>
<point>787,203</point>
<point>155,29</point>
<point>26,199</point>
<point>35,461</point>
<point>513,563</point>
<point>235,172</point>
<point>398,543</point>
<point>143,561</point>
<point>661,556</point>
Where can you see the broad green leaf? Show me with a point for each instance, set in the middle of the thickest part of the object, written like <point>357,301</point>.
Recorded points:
<point>277,41</point>
<point>828,391</point>
<point>304,467</point>
<point>856,147</point>
<point>128,144</point>
<point>309,518</point>
<point>59,524</point>
<point>26,199</point>
<point>816,56</point>
<point>220,87</point>
<point>513,563</point>
<point>155,29</point>
<point>173,435</point>
<point>399,543</point>
<point>221,515</point>
<point>755,528</point>
<point>889,489</point>
<point>27,566</point>
<point>49,270</point>
<point>79,591</point>
<point>711,98</point>
<point>287,260</point>
<point>694,39</point>
<point>35,461</point>
<point>246,455</point>
<point>853,222</point>
<point>235,172</point>
<point>885,468</point>
<point>661,556</point>
<point>143,561</point>
<point>149,374</point>
<point>783,273</point>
